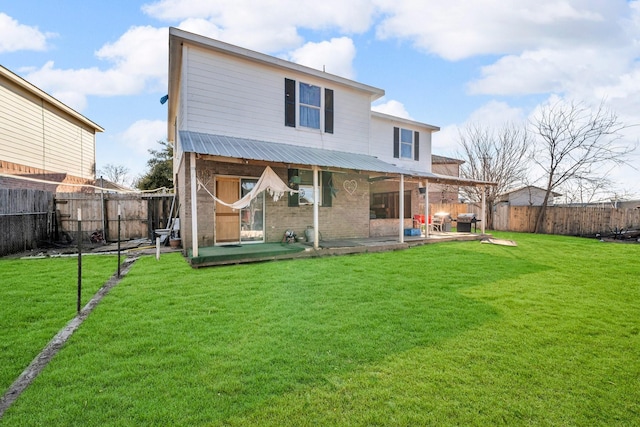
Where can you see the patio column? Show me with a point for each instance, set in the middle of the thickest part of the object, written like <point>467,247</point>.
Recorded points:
<point>484,208</point>
<point>401,209</point>
<point>426,208</point>
<point>316,196</point>
<point>194,206</point>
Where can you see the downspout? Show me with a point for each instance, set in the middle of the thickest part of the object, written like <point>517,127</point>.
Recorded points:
<point>194,206</point>
<point>401,209</point>
<point>316,196</point>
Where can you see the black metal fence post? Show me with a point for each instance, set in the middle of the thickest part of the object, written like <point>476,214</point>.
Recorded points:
<point>79,259</point>
<point>119,216</point>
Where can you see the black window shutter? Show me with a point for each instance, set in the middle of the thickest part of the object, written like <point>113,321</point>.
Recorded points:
<point>328,110</point>
<point>327,186</point>
<point>289,102</point>
<point>396,143</point>
<point>294,200</point>
<point>416,143</point>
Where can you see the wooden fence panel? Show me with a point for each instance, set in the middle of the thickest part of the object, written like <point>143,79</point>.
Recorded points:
<point>140,215</point>
<point>454,209</point>
<point>501,217</point>
<point>567,220</point>
<point>26,219</point>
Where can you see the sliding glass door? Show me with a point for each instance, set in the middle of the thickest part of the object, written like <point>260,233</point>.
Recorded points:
<point>251,217</point>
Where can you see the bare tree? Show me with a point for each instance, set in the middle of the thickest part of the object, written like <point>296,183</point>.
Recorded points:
<point>575,143</point>
<point>582,192</point>
<point>496,155</point>
<point>115,173</point>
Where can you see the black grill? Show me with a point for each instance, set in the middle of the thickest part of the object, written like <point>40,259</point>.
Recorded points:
<point>464,222</point>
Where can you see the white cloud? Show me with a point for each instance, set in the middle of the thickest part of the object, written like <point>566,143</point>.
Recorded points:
<point>497,114</point>
<point>393,108</point>
<point>264,26</point>
<point>334,56</point>
<point>143,135</point>
<point>141,52</point>
<point>459,29</point>
<point>138,61</point>
<point>493,114</point>
<point>15,36</point>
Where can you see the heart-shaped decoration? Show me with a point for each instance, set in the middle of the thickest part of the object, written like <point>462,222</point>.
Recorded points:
<point>350,186</point>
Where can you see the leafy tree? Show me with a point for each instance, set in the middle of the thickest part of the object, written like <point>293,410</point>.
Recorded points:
<point>160,173</point>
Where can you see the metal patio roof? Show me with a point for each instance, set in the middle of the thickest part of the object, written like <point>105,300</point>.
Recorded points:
<point>251,149</point>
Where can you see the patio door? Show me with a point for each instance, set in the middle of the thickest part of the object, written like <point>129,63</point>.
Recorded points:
<point>244,225</point>
<point>227,220</point>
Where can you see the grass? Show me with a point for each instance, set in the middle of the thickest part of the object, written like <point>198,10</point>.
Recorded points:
<point>38,297</point>
<point>546,333</point>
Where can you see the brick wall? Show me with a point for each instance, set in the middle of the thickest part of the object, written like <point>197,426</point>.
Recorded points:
<point>19,170</point>
<point>348,217</point>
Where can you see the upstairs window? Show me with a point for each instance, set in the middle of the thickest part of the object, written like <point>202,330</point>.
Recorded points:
<point>313,110</point>
<point>406,144</point>
<point>309,106</point>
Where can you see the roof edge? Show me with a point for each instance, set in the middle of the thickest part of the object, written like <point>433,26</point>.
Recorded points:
<point>273,61</point>
<point>404,120</point>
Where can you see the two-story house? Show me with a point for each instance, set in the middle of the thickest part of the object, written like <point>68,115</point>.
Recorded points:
<point>234,114</point>
<point>42,140</point>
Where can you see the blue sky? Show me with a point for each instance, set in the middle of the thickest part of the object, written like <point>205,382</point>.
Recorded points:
<point>448,64</point>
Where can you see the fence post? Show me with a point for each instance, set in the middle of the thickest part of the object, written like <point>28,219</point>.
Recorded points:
<point>79,259</point>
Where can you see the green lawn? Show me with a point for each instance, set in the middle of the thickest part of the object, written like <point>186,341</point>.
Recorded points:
<point>38,297</point>
<point>460,333</point>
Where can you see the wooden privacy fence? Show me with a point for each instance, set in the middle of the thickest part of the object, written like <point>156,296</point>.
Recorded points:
<point>33,218</point>
<point>140,214</point>
<point>562,220</point>
<point>566,220</point>
<point>26,219</point>
<point>455,209</point>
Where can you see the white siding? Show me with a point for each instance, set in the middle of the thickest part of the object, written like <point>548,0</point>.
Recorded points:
<point>32,133</point>
<point>528,196</point>
<point>382,144</point>
<point>227,95</point>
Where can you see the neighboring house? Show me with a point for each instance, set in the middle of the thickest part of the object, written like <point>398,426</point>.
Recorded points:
<point>233,112</point>
<point>445,166</point>
<point>113,187</point>
<point>43,139</point>
<point>527,196</point>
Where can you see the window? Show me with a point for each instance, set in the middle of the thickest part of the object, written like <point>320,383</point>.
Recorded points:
<point>387,205</point>
<point>313,109</point>
<point>302,180</point>
<point>406,144</point>
<point>309,106</point>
